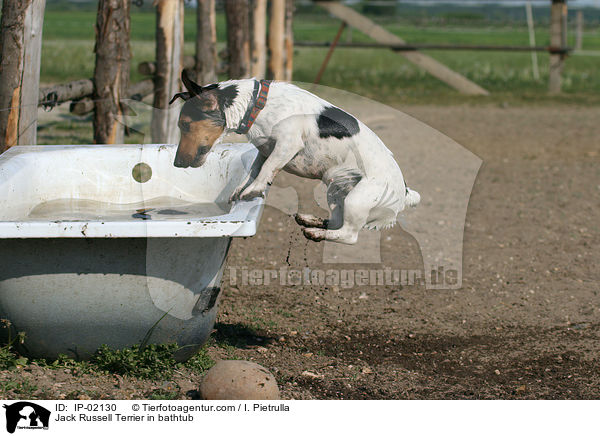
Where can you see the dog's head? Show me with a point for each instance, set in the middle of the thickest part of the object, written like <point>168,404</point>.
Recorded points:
<point>201,121</point>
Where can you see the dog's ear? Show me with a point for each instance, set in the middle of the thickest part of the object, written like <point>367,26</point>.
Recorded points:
<point>183,95</point>
<point>209,101</point>
<point>191,86</point>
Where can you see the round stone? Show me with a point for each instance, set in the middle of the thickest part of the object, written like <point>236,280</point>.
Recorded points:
<point>238,380</point>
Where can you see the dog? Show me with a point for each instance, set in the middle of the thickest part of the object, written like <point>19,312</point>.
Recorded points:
<point>296,131</point>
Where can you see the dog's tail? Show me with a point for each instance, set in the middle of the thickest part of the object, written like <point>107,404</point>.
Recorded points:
<point>412,197</point>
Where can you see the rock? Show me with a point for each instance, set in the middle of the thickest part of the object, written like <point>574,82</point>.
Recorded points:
<point>312,375</point>
<point>238,380</point>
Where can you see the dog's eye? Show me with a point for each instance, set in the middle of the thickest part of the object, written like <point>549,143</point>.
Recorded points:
<point>184,126</point>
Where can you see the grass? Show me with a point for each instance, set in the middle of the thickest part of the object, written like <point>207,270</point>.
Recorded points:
<point>163,394</point>
<point>9,357</point>
<point>19,388</point>
<point>380,74</point>
<point>199,362</point>
<point>152,362</point>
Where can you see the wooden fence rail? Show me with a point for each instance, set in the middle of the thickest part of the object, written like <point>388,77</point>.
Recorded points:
<point>413,47</point>
<point>84,88</point>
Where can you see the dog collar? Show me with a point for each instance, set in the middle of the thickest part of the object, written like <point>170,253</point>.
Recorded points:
<point>259,99</point>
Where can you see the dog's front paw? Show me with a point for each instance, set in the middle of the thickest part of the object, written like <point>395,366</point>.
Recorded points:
<point>236,194</point>
<point>252,191</point>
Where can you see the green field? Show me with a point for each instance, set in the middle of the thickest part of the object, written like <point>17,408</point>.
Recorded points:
<point>377,73</point>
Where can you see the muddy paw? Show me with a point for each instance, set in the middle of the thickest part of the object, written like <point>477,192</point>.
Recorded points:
<point>252,192</point>
<point>236,195</point>
<point>314,234</point>
<point>309,220</point>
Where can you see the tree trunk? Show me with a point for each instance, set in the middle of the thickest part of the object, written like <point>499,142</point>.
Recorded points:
<point>238,38</point>
<point>289,40</point>
<point>206,42</point>
<point>149,68</point>
<point>169,63</point>
<point>111,75</point>
<point>20,51</point>
<point>258,50</point>
<point>276,39</point>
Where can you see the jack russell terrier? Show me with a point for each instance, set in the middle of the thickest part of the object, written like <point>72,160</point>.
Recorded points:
<point>303,135</point>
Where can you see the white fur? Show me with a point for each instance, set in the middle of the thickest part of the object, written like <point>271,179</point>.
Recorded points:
<point>287,135</point>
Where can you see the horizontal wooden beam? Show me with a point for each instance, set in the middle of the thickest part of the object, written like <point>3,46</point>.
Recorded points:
<point>80,89</point>
<point>136,91</point>
<point>413,47</point>
<point>66,92</point>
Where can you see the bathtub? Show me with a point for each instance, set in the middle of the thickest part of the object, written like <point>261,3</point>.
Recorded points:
<point>99,244</point>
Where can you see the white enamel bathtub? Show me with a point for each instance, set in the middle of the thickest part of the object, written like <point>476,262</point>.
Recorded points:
<point>97,243</point>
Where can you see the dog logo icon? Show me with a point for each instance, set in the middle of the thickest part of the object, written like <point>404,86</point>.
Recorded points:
<point>26,415</point>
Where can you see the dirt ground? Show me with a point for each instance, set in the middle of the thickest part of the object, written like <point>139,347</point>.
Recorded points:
<point>526,323</point>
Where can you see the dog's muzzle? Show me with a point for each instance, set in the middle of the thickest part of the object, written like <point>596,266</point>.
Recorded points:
<point>183,161</point>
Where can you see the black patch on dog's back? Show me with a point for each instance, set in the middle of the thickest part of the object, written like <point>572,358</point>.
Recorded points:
<point>337,123</point>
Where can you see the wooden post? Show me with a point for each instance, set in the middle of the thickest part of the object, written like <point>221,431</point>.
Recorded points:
<point>276,39</point>
<point>169,63</point>
<point>20,54</point>
<point>149,68</point>
<point>34,21</point>
<point>289,40</point>
<point>329,53</point>
<point>534,59</point>
<point>258,48</point>
<point>206,42</point>
<point>111,74</point>
<point>579,31</point>
<point>558,16</point>
<point>237,14</point>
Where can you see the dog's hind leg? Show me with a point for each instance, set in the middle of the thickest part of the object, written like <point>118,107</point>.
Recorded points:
<point>308,220</point>
<point>357,207</point>
<point>335,201</point>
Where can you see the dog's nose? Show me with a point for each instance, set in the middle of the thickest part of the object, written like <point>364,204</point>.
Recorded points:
<point>180,162</point>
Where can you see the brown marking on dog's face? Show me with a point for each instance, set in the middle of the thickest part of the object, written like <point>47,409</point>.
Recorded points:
<point>197,138</point>
<point>201,123</point>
